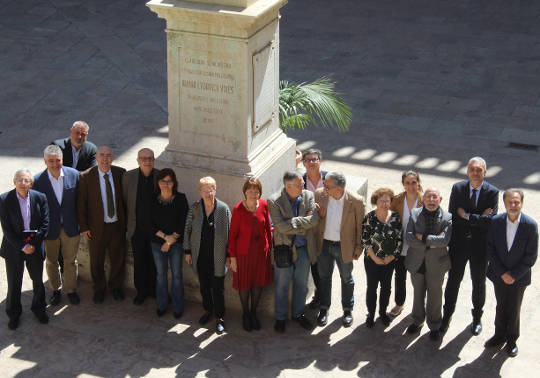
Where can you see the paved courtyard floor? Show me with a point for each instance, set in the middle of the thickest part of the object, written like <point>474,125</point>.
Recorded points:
<point>431,83</point>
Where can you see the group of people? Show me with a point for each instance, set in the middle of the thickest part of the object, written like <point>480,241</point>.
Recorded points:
<point>314,223</point>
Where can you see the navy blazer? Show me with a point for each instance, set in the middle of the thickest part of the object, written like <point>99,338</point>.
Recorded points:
<point>64,213</point>
<point>522,255</point>
<point>87,154</point>
<point>13,227</point>
<point>478,224</point>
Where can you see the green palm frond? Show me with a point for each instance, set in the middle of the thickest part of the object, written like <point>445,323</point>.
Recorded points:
<point>312,103</point>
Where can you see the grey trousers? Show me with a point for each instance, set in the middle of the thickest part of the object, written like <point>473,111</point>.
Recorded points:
<point>427,309</point>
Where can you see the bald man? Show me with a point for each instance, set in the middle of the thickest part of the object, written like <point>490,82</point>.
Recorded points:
<point>102,220</point>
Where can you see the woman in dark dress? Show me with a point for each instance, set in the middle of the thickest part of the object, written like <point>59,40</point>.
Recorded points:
<point>168,219</point>
<point>250,241</point>
<point>381,236</point>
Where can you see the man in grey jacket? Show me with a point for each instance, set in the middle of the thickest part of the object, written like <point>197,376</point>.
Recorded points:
<point>428,234</point>
<point>294,214</point>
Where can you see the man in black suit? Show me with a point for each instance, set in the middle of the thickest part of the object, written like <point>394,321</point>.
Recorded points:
<point>512,247</point>
<point>78,152</point>
<point>24,215</point>
<point>472,203</point>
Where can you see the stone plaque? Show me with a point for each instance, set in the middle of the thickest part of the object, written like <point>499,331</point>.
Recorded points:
<point>264,87</point>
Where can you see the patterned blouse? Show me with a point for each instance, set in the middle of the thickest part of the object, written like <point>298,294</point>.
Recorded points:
<point>384,238</point>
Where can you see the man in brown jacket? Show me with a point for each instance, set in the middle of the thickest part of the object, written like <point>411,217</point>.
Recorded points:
<point>339,239</point>
<point>102,221</point>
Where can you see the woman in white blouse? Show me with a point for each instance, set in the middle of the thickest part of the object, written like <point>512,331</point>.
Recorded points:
<point>403,203</point>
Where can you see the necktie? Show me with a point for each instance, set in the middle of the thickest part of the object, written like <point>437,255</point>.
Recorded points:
<point>110,200</point>
<point>473,199</point>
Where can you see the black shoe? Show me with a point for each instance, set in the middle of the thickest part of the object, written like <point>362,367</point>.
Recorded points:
<point>56,297</point>
<point>369,321</point>
<point>255,323</point>
<point>160,313</point>
<point>42,317</point>
<point>413,328</point>
<point>99,297</point>
<point>279,326</point>
<point>304,322</point>
<point>322,319</point>
<point>512,349</point>
<point>74,298</point>
<point>435,335</point>
<point>13,323</point>
<point>347,318</point>
<point>220,326</point>
<point>495,341</point>
<point>139,299</point>
<point>205,318</point>
<point>118,294</point>
<point>314,304</point>
<point>476,327</point>
<point>246,322</point>
<point>385,320</point>
<point>178,315</point>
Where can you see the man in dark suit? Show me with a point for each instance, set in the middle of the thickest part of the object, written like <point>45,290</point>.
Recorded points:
<point>138,185</point>
<point>60,185</point>
<point>77,152</point>
<point>102,220</point>
<point>472,203</point>
<point>24,216</point>
<point>512,247</point>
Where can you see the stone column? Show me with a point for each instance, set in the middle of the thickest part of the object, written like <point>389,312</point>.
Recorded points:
<point>223,91</point>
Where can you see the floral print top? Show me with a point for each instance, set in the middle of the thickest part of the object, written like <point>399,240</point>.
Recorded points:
<point>384,238</point>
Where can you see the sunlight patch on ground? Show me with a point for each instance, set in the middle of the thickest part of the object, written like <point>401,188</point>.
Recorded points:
<point>385,157</point>
<point>532,179</point>
<point>427,163</point>
<point>178,328</point>
<point>365,154</point>
<point>344,151</point>
<point>406,160</point>
<point>305,145</point>
<point>449,166</point>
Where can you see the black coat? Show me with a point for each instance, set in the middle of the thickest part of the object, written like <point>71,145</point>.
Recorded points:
<point>87,154</point>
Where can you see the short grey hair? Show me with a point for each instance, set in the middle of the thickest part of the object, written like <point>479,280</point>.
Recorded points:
<point>23,171</point>
<point>81,123</point>
<point>510,191</point>
<point>338,177</point>
<point>477,159</point>
<point>290,176</point>
<point>52,150</point>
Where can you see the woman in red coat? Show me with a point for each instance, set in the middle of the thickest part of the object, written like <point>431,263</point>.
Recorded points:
<point>250,242</point>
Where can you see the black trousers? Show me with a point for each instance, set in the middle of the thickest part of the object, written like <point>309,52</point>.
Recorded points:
<point>400,281</point>
<point>144,268</point>
<point>477,258</point>
<point>509,298</point>
<point>212,291</point>
<point>378,274</point>
<point>316,281</point>
<point>14,272</point>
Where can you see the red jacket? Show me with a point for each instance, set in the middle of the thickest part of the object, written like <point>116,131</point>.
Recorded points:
<point>241,225</point>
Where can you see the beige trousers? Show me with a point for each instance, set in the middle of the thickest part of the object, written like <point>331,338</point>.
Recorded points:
<point>70,246</point>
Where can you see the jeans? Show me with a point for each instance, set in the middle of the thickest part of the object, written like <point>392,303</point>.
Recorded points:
<point>330,253</point>
<point>175,257</point>
<point>299,274</point>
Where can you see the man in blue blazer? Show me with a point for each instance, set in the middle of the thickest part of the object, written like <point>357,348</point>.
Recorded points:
<point>512,247</point>
<point>60,184</point>
<point>472,203</point>
<point>77,152</point>
<point>24,215</point>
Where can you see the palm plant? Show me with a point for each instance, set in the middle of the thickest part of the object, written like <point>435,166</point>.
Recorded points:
<point>312,103</point>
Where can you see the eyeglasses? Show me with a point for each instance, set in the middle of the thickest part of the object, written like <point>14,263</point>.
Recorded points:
<point>166,182</point>
<point>313,160</point>
<point>23,181</point>
<point>146,159</point>
<point>208,191</point>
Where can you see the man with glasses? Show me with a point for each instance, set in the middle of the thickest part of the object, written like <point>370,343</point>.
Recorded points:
<point>102,221</point>
<point>313,180</point>
<point>24,215</point>
<point>139,192</point>
<point>77,152</point>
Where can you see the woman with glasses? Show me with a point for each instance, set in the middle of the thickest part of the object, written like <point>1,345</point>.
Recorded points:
<point>205,243</point>
<point>403,204</point>
<point>381,237</point>
<point>168,219</point>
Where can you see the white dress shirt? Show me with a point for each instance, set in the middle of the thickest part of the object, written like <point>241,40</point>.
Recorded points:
<point>57,185</point>
<point>311,187</point>
<point>103,188</point>
<point>334,213</point>
<point>406,216</point>
<point>511,229</point>
<point>477,192</point>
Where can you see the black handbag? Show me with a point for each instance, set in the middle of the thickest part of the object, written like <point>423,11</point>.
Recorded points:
<point>283,256</point>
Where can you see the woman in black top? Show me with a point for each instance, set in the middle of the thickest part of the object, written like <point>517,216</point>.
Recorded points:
<point>169,212</point>
<point>381,236</point>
